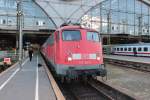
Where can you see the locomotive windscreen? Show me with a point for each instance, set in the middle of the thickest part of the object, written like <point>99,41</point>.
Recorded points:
<point>71,35</point>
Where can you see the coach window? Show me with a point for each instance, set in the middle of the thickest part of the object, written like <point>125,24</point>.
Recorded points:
<point>121,49</point>
<point>92,36</point>
<point>129,49</point>
<point>51,40</point>
<point>71,35</point>
<point>117,49</point>
<point>125,49</point>
<point>134,49</point>
<point>145,49</point>
<point>57,35</point>
<point>139,49</point>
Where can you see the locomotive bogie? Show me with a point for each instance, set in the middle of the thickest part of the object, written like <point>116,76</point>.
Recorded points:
<point>75,71</point>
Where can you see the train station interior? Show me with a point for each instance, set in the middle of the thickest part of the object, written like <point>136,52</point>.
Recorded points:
<point>117,21</point>
<point>123,27</point>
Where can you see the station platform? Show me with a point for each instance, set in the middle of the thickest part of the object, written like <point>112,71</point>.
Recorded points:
<point>28,82</point>
<point>129,58</point>
<point>132,82</point>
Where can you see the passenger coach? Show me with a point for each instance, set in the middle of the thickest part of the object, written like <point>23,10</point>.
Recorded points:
<point>140,49</point>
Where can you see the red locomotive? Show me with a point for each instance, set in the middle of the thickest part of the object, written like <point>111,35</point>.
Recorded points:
<point>74,51</point>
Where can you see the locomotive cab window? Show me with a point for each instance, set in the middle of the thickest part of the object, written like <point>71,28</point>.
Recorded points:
<point>93,36</point>
<point>71,35</point>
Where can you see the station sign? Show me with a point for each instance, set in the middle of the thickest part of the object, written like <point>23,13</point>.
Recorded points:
<point>7,61</point>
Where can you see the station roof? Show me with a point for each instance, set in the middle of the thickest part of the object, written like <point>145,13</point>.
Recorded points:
<point>62,11</point>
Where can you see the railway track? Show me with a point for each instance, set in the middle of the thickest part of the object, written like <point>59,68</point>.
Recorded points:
<point>129,64</point>
<point>109,91</point>
<point>4,67</point>
<point>81,91</point>
<point>91,90</point>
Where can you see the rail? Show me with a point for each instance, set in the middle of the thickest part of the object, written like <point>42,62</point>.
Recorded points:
<point>92,89</point>
<point>58,94</point>
<point>109,91</point>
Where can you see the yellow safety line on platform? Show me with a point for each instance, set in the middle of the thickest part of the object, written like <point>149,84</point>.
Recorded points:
<point>56,89</point>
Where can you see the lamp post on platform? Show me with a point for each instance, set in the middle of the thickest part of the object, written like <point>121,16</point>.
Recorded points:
<point>140,18</point>
<point>108,27</point>
<point>19,28</point>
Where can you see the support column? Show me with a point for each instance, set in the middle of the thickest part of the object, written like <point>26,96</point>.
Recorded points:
<point>19,21</point>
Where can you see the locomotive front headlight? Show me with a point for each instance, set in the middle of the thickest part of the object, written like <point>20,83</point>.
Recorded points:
<point>69,59</point>
<point>98,58</point>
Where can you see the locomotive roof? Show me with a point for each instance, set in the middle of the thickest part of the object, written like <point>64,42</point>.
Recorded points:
<point>74,27</point>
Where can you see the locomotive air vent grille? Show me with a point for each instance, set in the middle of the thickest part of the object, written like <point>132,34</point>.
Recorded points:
<point>76,56</point>
<point>92,56</point>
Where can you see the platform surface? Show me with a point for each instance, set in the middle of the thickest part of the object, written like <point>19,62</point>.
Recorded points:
<point>27,83</point>
<point>129,58</point>
<point>133,82</point>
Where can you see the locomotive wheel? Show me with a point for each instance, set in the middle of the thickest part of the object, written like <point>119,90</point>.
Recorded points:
<point>62,79</point>
<point>68,80</point>
<point>85,80</point>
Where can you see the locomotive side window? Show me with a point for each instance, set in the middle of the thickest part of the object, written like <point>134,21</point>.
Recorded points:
<point>92,36</point>
<point>51,40</point>
<point>145,49</point>
<point>71,35</point>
